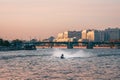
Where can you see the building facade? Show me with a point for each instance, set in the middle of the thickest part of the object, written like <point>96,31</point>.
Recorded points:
<point>102,36</point>
<point>68,36</point>
<point>112,34</point>
<point>93,35</point>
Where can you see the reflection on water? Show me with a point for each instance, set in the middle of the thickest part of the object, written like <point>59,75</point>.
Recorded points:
<point>45,64</point>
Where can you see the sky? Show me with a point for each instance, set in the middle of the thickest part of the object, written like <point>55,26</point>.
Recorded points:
<point>25,19</point>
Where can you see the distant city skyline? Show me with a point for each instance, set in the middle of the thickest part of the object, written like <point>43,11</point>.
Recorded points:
<point>25,19</point>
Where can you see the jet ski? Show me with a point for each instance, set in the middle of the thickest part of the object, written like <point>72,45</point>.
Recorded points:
<point>62,56</point>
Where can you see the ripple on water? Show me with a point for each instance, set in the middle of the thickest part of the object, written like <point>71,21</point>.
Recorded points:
<point>43,65</point>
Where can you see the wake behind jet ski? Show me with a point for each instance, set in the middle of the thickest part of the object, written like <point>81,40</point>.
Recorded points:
<point>62,56</point>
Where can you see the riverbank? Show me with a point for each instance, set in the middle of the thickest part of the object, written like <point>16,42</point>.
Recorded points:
<point>12,48</point>
<point>3,48</point>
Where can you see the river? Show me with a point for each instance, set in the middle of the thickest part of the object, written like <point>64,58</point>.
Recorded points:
<point>45,64</point>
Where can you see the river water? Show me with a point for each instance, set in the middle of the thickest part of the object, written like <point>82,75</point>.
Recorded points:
<point>45,64</point>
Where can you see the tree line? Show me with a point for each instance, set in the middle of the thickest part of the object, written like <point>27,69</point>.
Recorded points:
<point>10,43</point>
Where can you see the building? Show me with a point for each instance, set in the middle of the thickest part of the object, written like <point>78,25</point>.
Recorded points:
<point>50,39</point>
<point>72,34</point>
<point>93,35</point>
<point>68,36</point>
<point>112,34</point>
<point>102,36</point>
<point>84,34</point>
<point>62,37</point>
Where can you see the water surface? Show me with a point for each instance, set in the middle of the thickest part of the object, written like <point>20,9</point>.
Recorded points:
<point>45,64</point>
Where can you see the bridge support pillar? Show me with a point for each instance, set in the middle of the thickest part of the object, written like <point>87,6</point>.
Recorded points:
<point>51,45</point>
<point>89,45</point>
<point>70,45</point>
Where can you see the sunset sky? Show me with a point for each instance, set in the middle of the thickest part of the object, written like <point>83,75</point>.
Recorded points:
<point>23,19</point>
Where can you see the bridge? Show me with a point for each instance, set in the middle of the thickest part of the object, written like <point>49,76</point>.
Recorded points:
<point>70,45</point>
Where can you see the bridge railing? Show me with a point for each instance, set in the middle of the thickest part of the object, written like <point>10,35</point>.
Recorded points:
<point>71,44</point>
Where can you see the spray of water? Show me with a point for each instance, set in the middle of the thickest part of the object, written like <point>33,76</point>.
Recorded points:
<point>70,54</point>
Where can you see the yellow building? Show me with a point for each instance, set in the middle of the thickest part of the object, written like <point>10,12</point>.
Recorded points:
<point>84,34</point>
<point>68,36</point>
<point>93,35</point>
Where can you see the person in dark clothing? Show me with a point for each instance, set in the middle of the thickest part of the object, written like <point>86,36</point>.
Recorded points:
<point>62,56</point>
